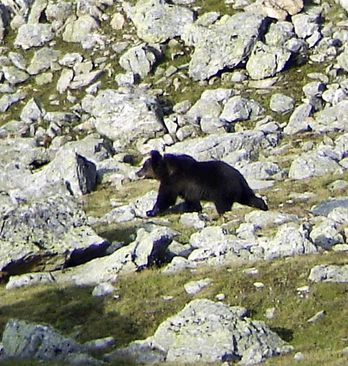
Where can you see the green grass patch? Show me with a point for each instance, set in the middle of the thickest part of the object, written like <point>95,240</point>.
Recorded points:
<point>280,197</point>
<point>141,305</point>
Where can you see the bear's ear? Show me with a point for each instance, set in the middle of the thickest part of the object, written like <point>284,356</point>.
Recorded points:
<point>156,157</point>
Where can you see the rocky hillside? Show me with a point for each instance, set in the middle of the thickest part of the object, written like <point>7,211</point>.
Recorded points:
<point>87,89</point>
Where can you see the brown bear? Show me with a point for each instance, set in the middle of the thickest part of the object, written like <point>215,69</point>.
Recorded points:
<point>183,176</point>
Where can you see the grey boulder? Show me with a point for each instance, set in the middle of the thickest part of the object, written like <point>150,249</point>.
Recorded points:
<point>223,45</point>
<point>157,21</point>
<point>49,233</point>
<point>206,332</point>
<point>26,340</point>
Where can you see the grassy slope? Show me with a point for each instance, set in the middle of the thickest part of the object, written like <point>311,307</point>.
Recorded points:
<point>140,307</point>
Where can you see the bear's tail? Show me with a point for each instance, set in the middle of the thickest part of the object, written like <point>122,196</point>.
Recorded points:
<point>258,202</point>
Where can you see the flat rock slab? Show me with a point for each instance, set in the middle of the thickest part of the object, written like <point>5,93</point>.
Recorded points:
<point>324,208</point>
<point>329,273</point>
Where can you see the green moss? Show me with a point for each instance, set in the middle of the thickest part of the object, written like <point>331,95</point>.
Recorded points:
<point>204,6</point>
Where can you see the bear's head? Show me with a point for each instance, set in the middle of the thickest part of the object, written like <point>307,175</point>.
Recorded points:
<point>153,167</point>
<point>165,167</point>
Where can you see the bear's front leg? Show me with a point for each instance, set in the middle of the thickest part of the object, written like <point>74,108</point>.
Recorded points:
<point>153,212</point>
<point>166,197</point>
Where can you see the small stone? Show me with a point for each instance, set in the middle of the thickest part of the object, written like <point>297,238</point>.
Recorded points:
<point>103,289</point>
<point>314,89</point>
<point>304,290</point>
<point>193,219</point>
<point>18,60</point>
<point>44,78</point>
<point>13,75</point>
<point>299,356</point>
<point>259,285</point>
<point>100,344</point>
<point>167,298</point>
<point>193,287</point>
<point>117,21</point>
<point>270,313</point>
<point>316,317</point>
<point>281,103</point>
<point>338,185</point>
<point>70,59</point>
<point>64,80</point>
<point>298,119</point>
<point>251,271</point>
<point>220,297</point>
<point>182,107</point>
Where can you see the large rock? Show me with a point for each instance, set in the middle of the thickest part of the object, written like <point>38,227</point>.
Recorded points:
<point>84,79</point>
<point>298,121</point>
<point>58,13</point>
<point>343,3</point>
<point>126,116</point>
<point>307,23</point>
<point>223,45</point>
<point>326,208</point>
<point>148,249</point>
<point>24,340</point>
<point>326,234</point>
<point>50,233</point>
<point>262,219</point>
<point>332,118</point>
<point>33,35</point>
<point>329,273</point>
<point>228,146</point>
<point>68,173</point>
<point>77,30</point>
<point>7,100</point>
<point>290,240</point>
<point>279,33</point>
<point>43,60</point>
<point>31,112</point>
<point>78,173</point>
<point>139,59</point>
<point>36,11</point>
<point>157,21</point>
<point>18,157</point>
<point>208,332</point>
<point>214,247</point>
<point>313,164</point>
<point>281,103</point>
<point>266,61</point>
<point>238,108</point>
<point>261,170</point>
<point>14,75</point>
<point>207,110</point>
<point>279,9</point>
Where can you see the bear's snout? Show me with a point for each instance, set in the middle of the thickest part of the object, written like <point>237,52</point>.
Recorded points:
<point>140,173</point>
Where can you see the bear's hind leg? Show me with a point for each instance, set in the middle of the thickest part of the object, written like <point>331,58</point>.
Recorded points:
<point>193,206</point>
<point>223,205</point>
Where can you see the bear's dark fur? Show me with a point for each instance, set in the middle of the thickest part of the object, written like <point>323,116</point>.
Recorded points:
<point>182,175</point>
